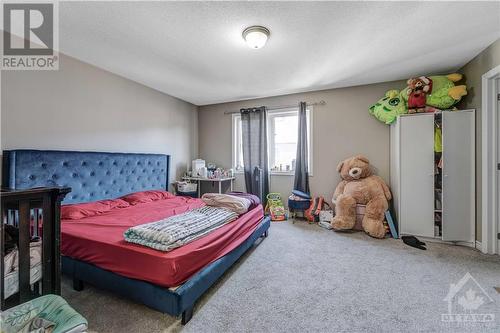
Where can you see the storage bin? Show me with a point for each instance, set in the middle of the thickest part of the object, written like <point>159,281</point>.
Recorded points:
<point>187,187</point>
<point>188,194</point>
<point>298,205</point>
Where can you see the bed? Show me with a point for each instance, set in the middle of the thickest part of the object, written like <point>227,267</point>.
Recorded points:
<point>94,251</point>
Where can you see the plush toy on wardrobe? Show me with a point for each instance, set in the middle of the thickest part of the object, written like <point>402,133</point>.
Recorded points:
<point>417,91</point>
<point>389,107</point>
<point>360,186</point>
<point>443,92</point>
<point>425,93</point>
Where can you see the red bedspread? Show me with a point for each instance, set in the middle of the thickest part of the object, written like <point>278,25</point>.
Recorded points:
<point>98,240</point>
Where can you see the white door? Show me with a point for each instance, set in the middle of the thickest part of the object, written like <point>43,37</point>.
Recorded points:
<point>458,176</point>
<point>417,175</point>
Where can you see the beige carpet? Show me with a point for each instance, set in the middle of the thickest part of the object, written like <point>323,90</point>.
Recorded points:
<point>303,278</point>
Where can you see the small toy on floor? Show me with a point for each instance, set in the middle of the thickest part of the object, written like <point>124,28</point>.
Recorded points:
<point>312,213</point>
<point>413,242</point>
<point>326,225</point>
<point>275,207</point>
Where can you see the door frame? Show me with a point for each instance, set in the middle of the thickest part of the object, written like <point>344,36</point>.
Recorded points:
<point>489,179</point>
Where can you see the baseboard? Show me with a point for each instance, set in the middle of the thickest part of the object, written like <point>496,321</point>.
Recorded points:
<point>479,246</point>
<point>468,244</point>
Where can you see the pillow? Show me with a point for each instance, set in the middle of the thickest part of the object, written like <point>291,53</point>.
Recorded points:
<point>79,211</point>
<point>146,196</point>
<point>117,203</point>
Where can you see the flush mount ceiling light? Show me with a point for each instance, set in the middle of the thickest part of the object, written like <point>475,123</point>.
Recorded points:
<point>256,36</point>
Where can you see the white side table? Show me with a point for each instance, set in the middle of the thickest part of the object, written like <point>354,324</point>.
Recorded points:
<point>219,180</point>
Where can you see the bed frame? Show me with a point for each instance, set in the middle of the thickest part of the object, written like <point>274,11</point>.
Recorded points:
<point>96,176</point>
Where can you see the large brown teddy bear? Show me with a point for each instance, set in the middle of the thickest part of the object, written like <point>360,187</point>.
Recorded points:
<point>359,186</point>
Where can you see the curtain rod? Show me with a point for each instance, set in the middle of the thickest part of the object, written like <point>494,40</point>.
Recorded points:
<point>322,102</point>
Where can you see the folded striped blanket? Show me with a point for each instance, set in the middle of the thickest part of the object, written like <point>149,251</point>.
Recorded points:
<point>178,230</point>
<point>233,203</point>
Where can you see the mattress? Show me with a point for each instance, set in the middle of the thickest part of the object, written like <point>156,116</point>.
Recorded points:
<point>11,274</point>
<point>98,240</point>
<point>11,280</point>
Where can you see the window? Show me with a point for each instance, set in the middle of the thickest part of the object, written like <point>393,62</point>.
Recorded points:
<point>237,144</point>
<point>282,128</point>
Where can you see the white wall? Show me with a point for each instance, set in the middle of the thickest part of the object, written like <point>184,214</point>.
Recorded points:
<point>82,107</point>
<point>341,128</point>
<point>488,59</point>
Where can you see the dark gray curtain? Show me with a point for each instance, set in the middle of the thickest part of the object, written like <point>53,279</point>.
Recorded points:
<point>301,181</point>
<point>254,135</point>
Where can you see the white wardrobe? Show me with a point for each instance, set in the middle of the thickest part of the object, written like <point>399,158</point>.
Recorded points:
<point>434,192</point>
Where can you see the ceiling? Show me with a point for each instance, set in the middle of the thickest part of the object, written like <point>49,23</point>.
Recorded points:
<point>194,50</point>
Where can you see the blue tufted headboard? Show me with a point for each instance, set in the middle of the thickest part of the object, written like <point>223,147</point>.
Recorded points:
<point>91,175</point>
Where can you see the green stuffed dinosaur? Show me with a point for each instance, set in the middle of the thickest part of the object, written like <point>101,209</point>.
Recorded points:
<point>389,107</point>
<point>443,96</point>
<point>444,93</point>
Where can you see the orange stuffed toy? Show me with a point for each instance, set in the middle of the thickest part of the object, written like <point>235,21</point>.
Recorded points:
<point>360,186</point>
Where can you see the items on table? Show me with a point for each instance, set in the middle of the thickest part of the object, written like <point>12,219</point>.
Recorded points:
<point>210,171</point>
<point>198,167</point>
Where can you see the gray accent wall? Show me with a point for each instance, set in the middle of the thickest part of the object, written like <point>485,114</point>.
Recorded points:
<point>82,107</point>
<point>341,128</point>
<point>473,71</point>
